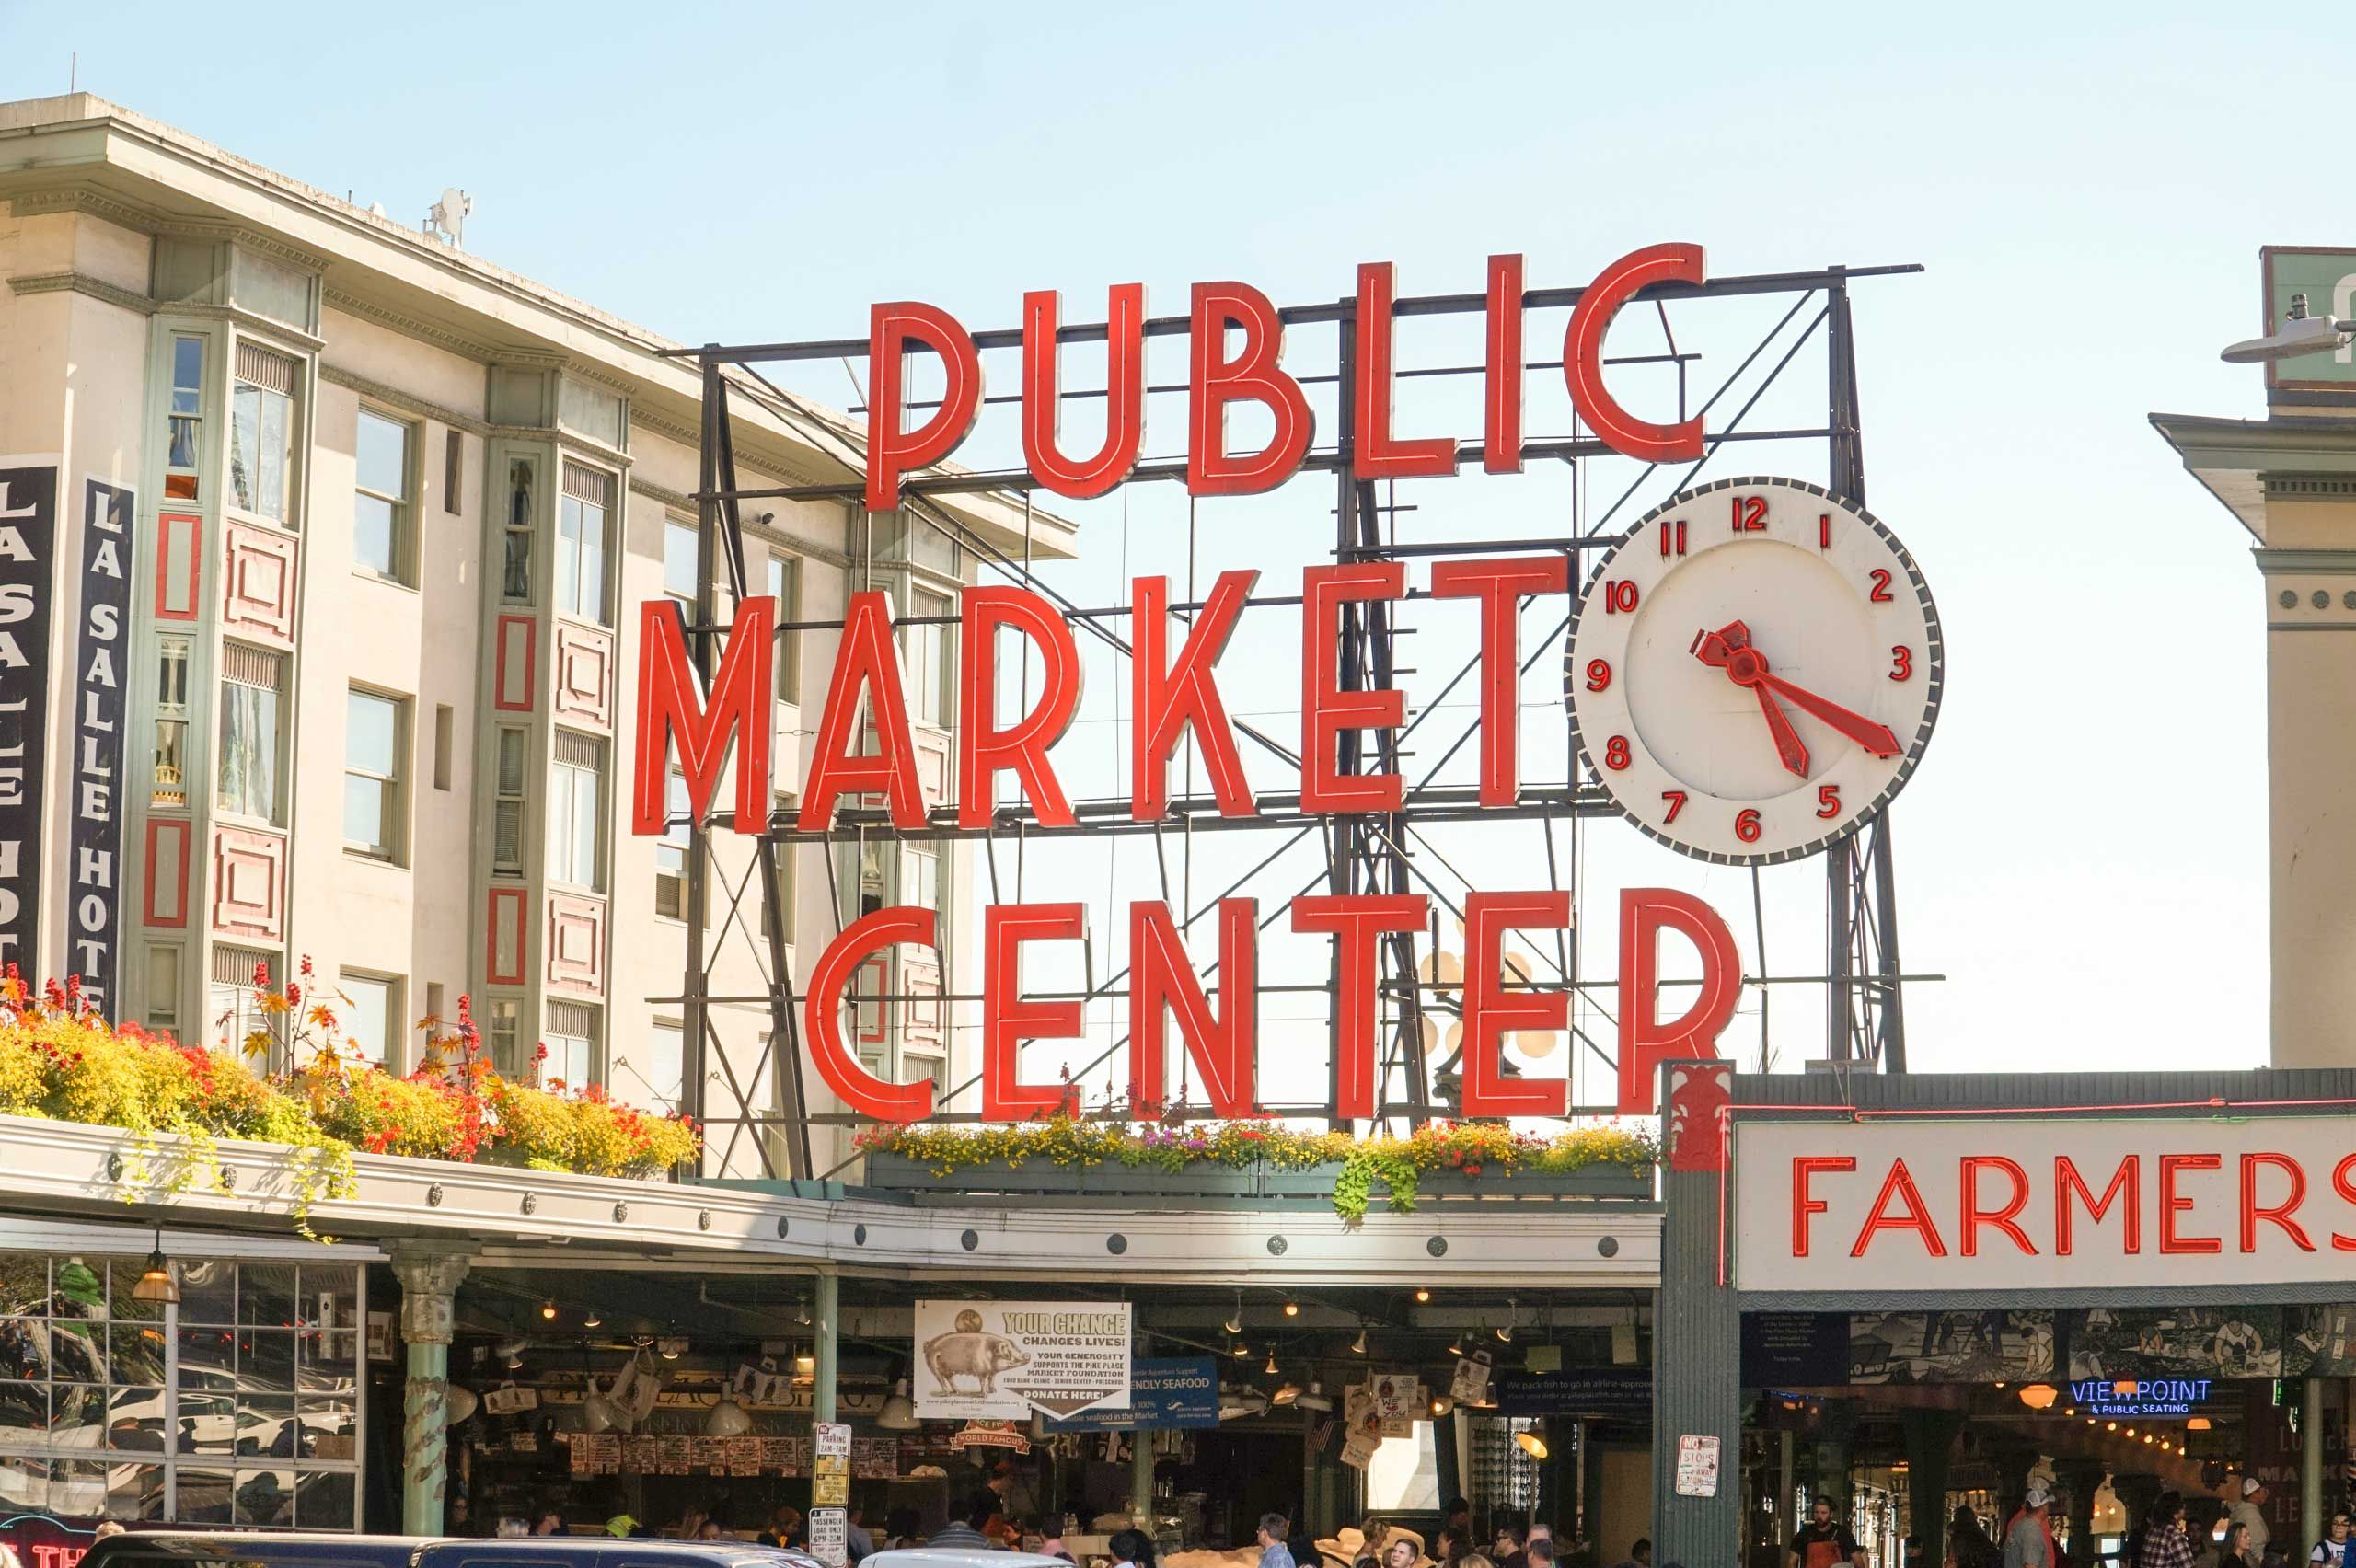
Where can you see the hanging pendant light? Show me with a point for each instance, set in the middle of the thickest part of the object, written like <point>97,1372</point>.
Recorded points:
<point>598,1412</point>
<point>457,1403</point>
<point>899,1411</point>
<point>594,1321</point>
<point>1271,1368</point>
<point>1234,1324</point>
<point>1531,1444</point>
<point>157,1286</point>
<point>1357,1345</point>
<point>728,1419</point>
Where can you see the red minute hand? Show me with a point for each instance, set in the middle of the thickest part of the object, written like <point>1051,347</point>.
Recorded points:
<point>1875,739</point>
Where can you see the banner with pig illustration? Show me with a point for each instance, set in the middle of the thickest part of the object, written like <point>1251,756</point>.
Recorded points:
<point>1000,1360</point>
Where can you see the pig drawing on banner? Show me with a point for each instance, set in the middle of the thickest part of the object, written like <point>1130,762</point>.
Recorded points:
<point>1001,1360</point>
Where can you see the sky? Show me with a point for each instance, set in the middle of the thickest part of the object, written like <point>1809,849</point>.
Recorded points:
<point>2081,856</point>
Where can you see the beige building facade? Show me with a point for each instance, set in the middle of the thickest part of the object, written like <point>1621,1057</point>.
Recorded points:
<point>382,516</point>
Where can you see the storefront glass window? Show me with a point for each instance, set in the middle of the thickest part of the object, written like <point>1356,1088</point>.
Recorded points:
<point>241,1403</point>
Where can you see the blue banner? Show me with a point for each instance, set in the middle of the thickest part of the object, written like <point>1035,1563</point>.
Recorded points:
<point>1164,1392</point>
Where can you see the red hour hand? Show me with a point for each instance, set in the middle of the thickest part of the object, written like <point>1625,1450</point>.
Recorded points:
<point>1719,649</point>
<point>1728,647</point>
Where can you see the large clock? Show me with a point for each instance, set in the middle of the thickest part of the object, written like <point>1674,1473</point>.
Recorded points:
<point>1753,670</point>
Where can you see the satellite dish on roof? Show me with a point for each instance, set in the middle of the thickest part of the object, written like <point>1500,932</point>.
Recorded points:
<point>2301,334</point>
<point>448,218</point>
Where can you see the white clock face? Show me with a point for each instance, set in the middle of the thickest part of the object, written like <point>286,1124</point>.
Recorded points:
<point>1754,671</point>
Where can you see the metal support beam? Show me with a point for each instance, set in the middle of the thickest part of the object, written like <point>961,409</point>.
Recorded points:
<point>826,1311</point>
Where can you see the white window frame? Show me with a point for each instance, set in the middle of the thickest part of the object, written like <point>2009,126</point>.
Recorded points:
<point>290,512</point>
<point>280,782</point>
<point>394,851</point>
<point>395,1057</point>
<point>509,795</point>
<point>569,582</point>
<point>403,550</point>
<point>784,579</point>
<point>564,820</point>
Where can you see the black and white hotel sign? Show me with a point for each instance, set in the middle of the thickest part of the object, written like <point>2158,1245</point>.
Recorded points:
<point>28,583</point>
<point>94,896</point>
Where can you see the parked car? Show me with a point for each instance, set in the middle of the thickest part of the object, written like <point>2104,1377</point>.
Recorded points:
<point>242,1549</point>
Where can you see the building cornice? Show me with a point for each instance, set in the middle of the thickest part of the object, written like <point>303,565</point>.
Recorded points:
<point>83,283</point>
<point>410,327</point>
<point>408,402</point>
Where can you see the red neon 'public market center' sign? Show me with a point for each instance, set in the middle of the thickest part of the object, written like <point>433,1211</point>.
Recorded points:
<point>1175,691</point>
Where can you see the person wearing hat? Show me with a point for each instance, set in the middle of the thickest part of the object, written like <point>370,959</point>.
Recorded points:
<point>2029,1540</point>
<point>2251,1511</point>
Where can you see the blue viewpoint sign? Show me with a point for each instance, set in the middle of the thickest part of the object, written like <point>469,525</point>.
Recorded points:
<point>1164,1392</point>
<point>2142,1397</point>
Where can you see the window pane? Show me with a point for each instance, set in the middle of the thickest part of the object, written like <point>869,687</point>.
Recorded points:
<point>203,1497</point>
<point>592,592</point>
<point>510,761</point>
<point>372,533</point>
<point>248,776</point>
<point>23,1348</point>
<point>517,576</point>
<point>323,1500</point>
<point>24,1411</point>
<point>372,724</point>
<point>136,1492</point>
<point>383,455</point>
<point>187,375</point>
<point>265,1497</point>
<point>208,1286</point>
<point>135,1420</point>
<point>245,442</point>
<point>183,452</point>
<point>367,1023</point>
<point>507,835</point>
<point>277,434</point>
<point>680,559</point>
<point>363,813</point>
<point>585,827</point>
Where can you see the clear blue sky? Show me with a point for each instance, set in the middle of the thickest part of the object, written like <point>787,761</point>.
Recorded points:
<point>2082,853</point>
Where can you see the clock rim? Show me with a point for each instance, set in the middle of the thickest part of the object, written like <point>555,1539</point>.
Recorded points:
<point>1934,668</point>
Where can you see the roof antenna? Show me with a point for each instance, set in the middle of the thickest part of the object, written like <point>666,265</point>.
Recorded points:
<point>74,73</point>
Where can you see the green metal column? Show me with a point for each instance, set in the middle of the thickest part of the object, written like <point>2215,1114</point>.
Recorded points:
<point>2311,1514</point>
<point>826,1309</point>
<point>430,1278</point>
<point>1141,1480</point>
<point>1697,1337</point>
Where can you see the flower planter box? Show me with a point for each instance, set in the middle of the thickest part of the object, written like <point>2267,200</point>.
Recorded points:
<point>1046,1179</point>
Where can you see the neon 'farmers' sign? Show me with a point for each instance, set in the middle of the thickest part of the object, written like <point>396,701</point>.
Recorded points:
<point>1175,692</point>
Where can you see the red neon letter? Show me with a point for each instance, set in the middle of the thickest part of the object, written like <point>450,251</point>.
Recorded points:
<point>1354,920</point>
<point>1583,354</point>
<point>865,665</point>
<point>1162,980</point>
<point>1500,582</point>
<point>2343,1182</point>
<point>822,1009</point>
<point>2171,1205</point>
<point>1501,387</point>
<point>2127,1181</point>
<point>1252,375</point>
<point>1008,1019</point>
<point>1900,1184</point>
<point>1166,697</point>
<point>890,451</point>
<point>1974,1216</point>
<point>983,749</point>
<point>1124,398</point>
<point>1644,1040</point>
<point>1325,711</point>
<point>1490,1009</point>
<point>1377,454</point>
<point>2279,1215</point>
<point>1805,1203</point>
<point>669,705</point>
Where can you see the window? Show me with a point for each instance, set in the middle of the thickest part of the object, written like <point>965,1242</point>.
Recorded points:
<point>380,509</point>
<point>785,587</point>
<point>169,789</point>
<point>184,444</point>
<point>453,470</point>
<point>655,1083</point>
<point>236,1015</point>
<point>931,670</point>
<point>505,1035</point>
<point>679,564</point>
<point>372,1017</point>
<point>515,561</point>
<point>261,433</point>
<point>920,877</point>
<point>371,774</point>
<point>574,802</point>
<point>445,724</point>
<point>164,987</point>
<point>580,542</point>
<point>571,1041</point>
<point>671,852</point>
<point>507,804</point>
<point>251,763</point>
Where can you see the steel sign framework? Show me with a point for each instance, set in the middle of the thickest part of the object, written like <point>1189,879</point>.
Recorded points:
<point>1393,852</point>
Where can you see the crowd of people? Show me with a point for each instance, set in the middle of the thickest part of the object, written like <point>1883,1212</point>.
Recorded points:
<point>2173,1532</point>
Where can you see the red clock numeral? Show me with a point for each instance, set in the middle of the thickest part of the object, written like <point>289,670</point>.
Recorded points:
<point>1902,663</point>
<point>1598,674</point>
<point>1824,530</point>
<point>1676,798</point>
<point>1751,514</point>
<point>1880,595</point>
<point>1672,538</point>
<point>1615,753</point>
<point>1746,824</point>
<point>1618,595</point>
<point>1827,798</point>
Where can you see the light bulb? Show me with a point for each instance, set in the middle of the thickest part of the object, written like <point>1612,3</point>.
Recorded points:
<point>592,1320</point>
<point>1423,1296</point>
<point>548,1310</point>
<point>1292,1308</point>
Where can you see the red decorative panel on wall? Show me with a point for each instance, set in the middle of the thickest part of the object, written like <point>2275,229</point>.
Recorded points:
<point>257,583</point>
<point>576,954</point>
<point>180,564</point>
<point>517,661</point>
<point>504,961</point>
<point>249,883</point>
<point>166,899</point>
<point>585,675</point>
